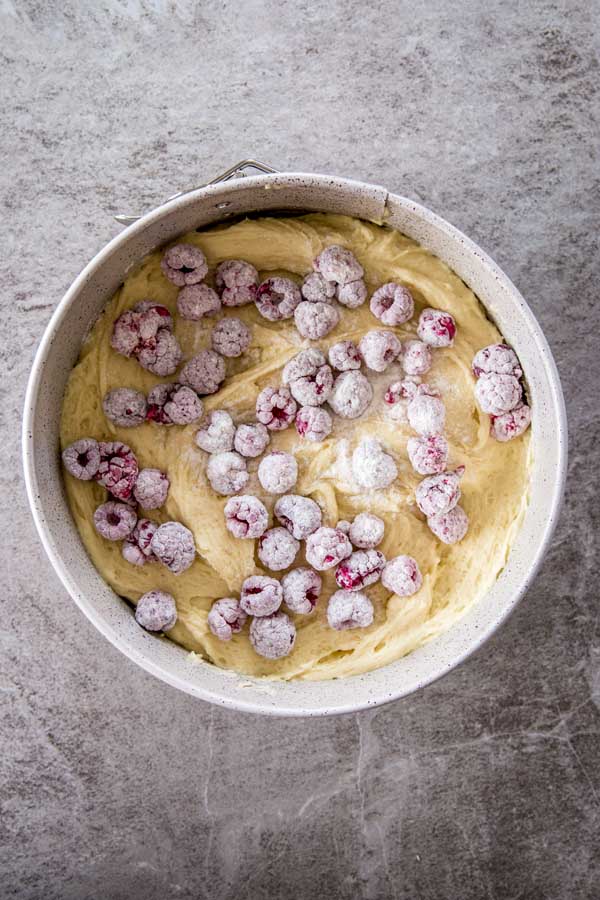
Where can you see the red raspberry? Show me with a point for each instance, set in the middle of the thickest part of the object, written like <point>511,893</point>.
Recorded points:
<point>379,349</point>
<point>216,433</point>
<point>392,304</point>
<point>437,328</point>
<point>82,459</point>
<point>204,372</point>
<point>125,407</point>
<point>498,394</point>
<point>118,469</point>
<point>125,338</point>
<point>237,282</point>
<point>246,517</point>
<point>345,355</point>
<point>278,472</point>
<point>151,488</point>
<point>136,547</point>
<point>277,298</point>
<point>273,636</point>
<point>326,547</point>
<point>371,466</point>
<point>173,545</point>
<point>428,455</point>
<point>197,301</point>
<point>156,611</point>
<point>450,527</point>
<point>305,364</point>
<point>230,337</point>
<point>362,568</point>
<point>145,332</point>
<point>352,295</point>
<point>313,423</point>
<point>512,424</point>
<point>301,590</point>
<point>156,316</point>
<point>173,404</point>
<point>313,390</point>
<point>343,525</point>
<point>416,358</point>
<point>351,395</point>
<point>184,264</point>
<point>114,521</point>
<point>300,515</point>
<point>438,494</point>
<point>498,359</point>
<point>366,531</point>
<point>277,549</point>
<point>337,264</point>
<point>251,440</point>
<point>348,609</point>
<point>426,414</point>
<point>261,595</point>
<point>160,355</point>
<point>227,473</point>
<point>402,576</point>
<point>276,408</point>
<point>316,289</point>
<point>315,320</point>
<point>226,618</point>
<point>401,390</point>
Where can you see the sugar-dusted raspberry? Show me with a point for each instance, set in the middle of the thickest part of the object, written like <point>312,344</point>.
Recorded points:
<point>450,527</point>
<point>371,466</point>
<point>125,407</point>
<point>82,458</point>
<point>277,549</point>
<point>278,472</point>
<point>497,358</point>
<point>326,547</point>
<point>392,304</point>
<point>184,264</point>
<point>313,390</point>
<point>343,525</point>
<point>315,320</point>
<point>156,316</point>
<point>227,473</point>
<point>251,440</point>
<point>237,282</point>
<point>125,338</point>
<point>428,455</point>
<point>114,521</point>
<point>230,337</point>
<point>196,301</point>
<point>437,328</point>
<point>173,404</point>
<point>366,531</point>
<point>305,364</point>
<point>204,372</point>
<point>301,590</point>
<point>276,408</point>
<point>173,545</point>
<point>246,516</point>
<point>160,355</point>
<point>216,432</point>
<point>337,264</point>
<point>131,553</point>
<point>273,636</point>
<point>345,355</point>
<point>426,414</point>
<point>156,611</point>
<point>438,494</point>
<point>151,488</point>
<point>300,515</point>
<point>416,358</point>
<point>402,576</point>
<point>138,328</point>
<point>362,568</point>
<point>118,469</point>
<point>351,395</point>
<point>401,390</point>
<point>316,289</point>
<point>261,595</point>
<point>379,349</point>
<point>352,295</point>
<point>136,547</point>
<point>313,423</point>
<point>498,394</point>
<point>349,609</point>
<point>226,618</point>
<point>512,424</point>
<point>277,298</point>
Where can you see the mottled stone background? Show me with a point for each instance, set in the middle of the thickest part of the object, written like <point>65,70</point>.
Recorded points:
<point>484,785</point>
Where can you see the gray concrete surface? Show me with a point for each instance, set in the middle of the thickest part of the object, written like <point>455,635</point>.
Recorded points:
<point>485,785</point>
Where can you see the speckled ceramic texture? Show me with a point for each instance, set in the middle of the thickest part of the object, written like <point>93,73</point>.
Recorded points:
<point>60,348</point>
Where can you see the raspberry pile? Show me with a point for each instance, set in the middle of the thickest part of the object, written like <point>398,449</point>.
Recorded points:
<point>499,391</point>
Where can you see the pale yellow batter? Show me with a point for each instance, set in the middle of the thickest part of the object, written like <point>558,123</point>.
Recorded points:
<point>495,484</point>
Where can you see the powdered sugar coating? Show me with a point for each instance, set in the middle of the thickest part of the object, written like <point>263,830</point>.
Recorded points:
<point>251,440</point>
<point>138,330</point>
<point>273,636</point>
<point>151,488</point>
<point>125,407</point>
<point>512,424</point>
<point>498,394</point>
<point>326,548</point>
<point>82,458</point>
<point>237,281</point>
<point>366,531</point>
<point>498,359</point>
<point>216,433</point>
<point>261,595</point>
<point>402,390</point>
<point>300,515</point>
<point>402,576</point>
<point>313,390</point>
<point>305,364</point>
<point>227,473</point>
<point>156,611</point>
<point>276,408</point>
<point>351,395</point>
<point>136,547</point>
<point>204,372</point>
<point>338,264</point>
<point>371,466</point>
<point>160,355</point>
<point>428,455</point>
<point>246,516</point>
<point>438,494</point>
<point>436,328</point>
<point>315,320</point>
<point>277,549</point>
<point>450,527</point>
<point>277,472</point>
<point>349,609</point>
<point>416,358</point>
<point>353,294</point>
<point>344,356</point>
<point>316,289</point>
<point>173,404</point>
<point>392,304</point>
<point>343,525</point>
<point>277,298</point>
<point>114,521</point>
<point>426,414</point>
<point>118,469</point>
<point>173,545</point>
<point>226,618</point>
<point>196,301</point>
<point>301,590</point>
<point>379,349</point>
<point>230,337</point>
<point>184,264</point>
<point>158,316</point>
<point>362,568</point>
<point>313,423</point>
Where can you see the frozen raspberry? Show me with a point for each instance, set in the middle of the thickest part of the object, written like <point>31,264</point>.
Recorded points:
<point>139,327</point>
<point>301,590</point>
<point>237,282</point>
<point>227,473</point>
<point>277,549</point>
<point>230,337</point>
<point>352,295</point>
<point>246,516</point>
<point>261,595</point>
<point>136,547</point>
<point>251,440</point>
<point>158,316</point>
<point>184,264</point>
<point>450,527</point>
<point>160,355</point>
<point>428,455</point>
<point>326,547</point>
<point>316,289</point>
<point>300,515</point>
<point>497,394</point>
<point>401,390</point>
<point>216,433</point>
<point>151,488</point>
<point>82,459</point>
<point>416,358</point>
<point>156,611</point>
<point>204,372</point>
<point>379,349</point>
<point>345,355</point>
<point>337,264</point>
<point>366,531</point>
<point>114,521</point>
<point>362,568</point>
<point>226,618</point>
<point>277,298</point>
<point>511,424</point>
<point>371,467</point>
<point>173,545</point>
<point>173,404</point>
<point>313,390</point>
<point>131,553</point>
<point>276,408</point>
<point>313,423</point>
<point>273,636</point>
<point>426,414</point>
<point>125,407</point>
<point>497,359</point>
<point>304,364</point>
<point>392,304</point>
<point>196,301</point>
<point>351,395</point>
<point>437,328</point>
<point>118,469</point>
<point>315,320</point>
<point>349,609</point>
<point>125,337</point>
<point>402,576</point>
<point>278,472</point>
<point>343,525</point>
<point>438,494</point>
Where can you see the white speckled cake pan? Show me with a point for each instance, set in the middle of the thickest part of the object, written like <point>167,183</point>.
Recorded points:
<point>58,353</point>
